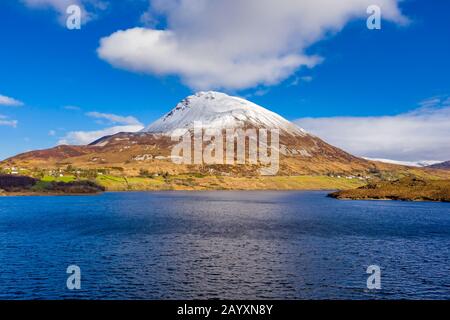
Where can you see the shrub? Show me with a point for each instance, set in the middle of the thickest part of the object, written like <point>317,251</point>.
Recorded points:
<point>16,183</point>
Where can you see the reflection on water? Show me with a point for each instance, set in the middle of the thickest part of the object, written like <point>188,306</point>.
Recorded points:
<point>241,245</point>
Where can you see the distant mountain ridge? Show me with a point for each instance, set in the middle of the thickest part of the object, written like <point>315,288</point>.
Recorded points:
<point>443,165</point>
<point>420,164</point>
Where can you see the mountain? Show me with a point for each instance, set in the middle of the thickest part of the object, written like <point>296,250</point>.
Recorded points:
<point>300,153</point>
<point>443,165</point>
<point>218,110</point>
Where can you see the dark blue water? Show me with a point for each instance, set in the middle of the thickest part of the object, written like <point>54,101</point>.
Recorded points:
<point>246,245</point>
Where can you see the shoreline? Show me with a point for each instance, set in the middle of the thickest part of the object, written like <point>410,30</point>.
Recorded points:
<point>39,194</point>
<point>389,199</point>
<point>330,194</point>
<point>43,194</point>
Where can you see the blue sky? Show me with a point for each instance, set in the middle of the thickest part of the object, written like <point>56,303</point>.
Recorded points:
<point>374,77</point>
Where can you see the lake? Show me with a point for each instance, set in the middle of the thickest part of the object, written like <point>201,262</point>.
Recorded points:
<point>222,244</point>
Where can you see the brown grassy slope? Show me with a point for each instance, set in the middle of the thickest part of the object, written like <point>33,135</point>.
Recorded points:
<point>131,153</point>
<point>408,189</point>
<point>210,182</point>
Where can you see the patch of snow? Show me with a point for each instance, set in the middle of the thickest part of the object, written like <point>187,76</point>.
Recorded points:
<point>101,143</point>
<point>143,157</point>
<point>305,153</point>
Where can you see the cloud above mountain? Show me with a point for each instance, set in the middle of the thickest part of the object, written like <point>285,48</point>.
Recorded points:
<point>120,124</point>
<point>422,134</point>
<point>113,118</point>
<point>86,137</point>
<point>234,44</point>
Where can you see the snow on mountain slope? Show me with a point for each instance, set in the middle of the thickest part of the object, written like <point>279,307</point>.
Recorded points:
<point>424,163</point>
<point>221,111</point>
<point>441,165</point>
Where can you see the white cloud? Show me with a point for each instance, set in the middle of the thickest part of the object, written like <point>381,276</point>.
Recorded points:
<point>234,44</point>
<point>89,8</point>
<point>422,134</point>
<point>113,118</point>
<point>126,124</point>
<point>8,101</point>
<point>70,107</point>
<point>4,121</point>
<point>259,92</point>
<point>298,80</point>
<point>86,137</point>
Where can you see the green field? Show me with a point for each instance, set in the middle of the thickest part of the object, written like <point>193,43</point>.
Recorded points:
<point>58,179</point>
<point>114,183</point>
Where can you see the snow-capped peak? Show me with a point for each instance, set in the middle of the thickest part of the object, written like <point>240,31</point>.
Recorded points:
<point>220,111</point>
